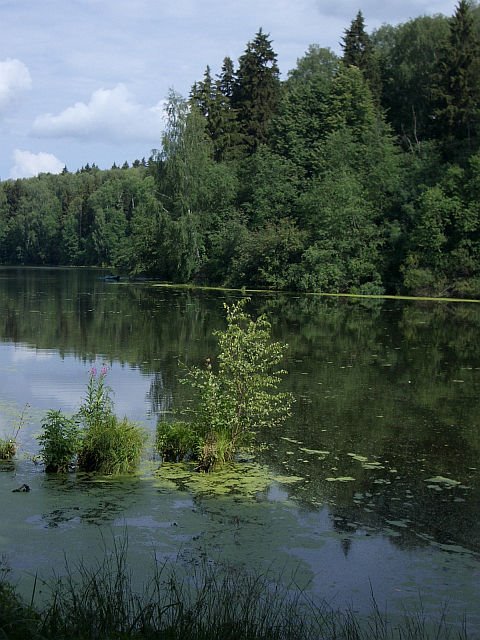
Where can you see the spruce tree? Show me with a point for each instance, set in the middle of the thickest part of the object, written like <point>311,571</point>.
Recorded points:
<point>221,127</point>
<point>358,52</point>
<point>457,115</point>
<point>257,90</point>
<point>227,78</point>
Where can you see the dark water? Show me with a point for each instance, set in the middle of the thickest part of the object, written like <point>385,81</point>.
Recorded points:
<point>373,485</point>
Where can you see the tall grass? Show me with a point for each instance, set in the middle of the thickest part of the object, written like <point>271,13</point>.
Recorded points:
<point>214,603</point>
<point>94,438</point>
<point>112,446</point>
<point>9,445</point>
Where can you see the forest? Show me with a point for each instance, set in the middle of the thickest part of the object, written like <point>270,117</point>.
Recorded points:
<point>358,173</point>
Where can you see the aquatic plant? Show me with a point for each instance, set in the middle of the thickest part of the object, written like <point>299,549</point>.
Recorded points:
<point>97,406</point>
<point>9,445</point>
<point>111,446</point>
<point>60,442</point>
<point>95,437</point>
<point>240,394</point>
<point>8,448</point>
<point>175,440</point>
<point>215,601</point>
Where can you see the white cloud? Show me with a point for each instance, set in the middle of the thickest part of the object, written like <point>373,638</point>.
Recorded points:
<point>111,115</point>
<point>28,164</point>
<point>14,80</point>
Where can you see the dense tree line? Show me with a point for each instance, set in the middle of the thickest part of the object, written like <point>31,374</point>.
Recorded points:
<point>358,173</point>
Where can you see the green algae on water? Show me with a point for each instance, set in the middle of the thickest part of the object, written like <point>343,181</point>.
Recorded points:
<point>243,479</point>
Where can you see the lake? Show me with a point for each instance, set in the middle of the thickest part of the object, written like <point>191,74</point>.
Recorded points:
<point>372,486</point>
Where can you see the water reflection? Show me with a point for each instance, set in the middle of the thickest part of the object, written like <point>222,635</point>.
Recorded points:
<point>384,441</point>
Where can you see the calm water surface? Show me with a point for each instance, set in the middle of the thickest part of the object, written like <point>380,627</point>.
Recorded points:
<point>374,484</point>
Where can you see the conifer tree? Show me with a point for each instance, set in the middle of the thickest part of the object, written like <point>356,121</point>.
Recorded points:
<point>227,78</point>
<point>209,99</point>
<point>358,52</point>
<point>457,115</point>
<point>257,90</point>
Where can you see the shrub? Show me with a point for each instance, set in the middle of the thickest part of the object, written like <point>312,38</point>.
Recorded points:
<point>241,396</point>
<point>111,446</point>
<point>60,442</point>
<point>175,440</point>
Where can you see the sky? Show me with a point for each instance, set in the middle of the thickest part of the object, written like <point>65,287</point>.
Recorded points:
<point>85,81</point>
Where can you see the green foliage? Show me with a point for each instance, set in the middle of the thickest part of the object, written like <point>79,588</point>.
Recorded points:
<point>358,52</point>
<point>60,442</point>
<point>256,91</point>
<point>269,257</point>
<point>8,448</point>
<point>97,406</point>
<point>111,446</point>
<point>408,57</point>
<point>260,182</point>
<point>457,116</point>
<point>95,437</point>
<point>17,620</point>
<point>298,127</point>
<point>9,445</point>
<point>175,440</point>
<point>217,602</point>
<point>239,396</point>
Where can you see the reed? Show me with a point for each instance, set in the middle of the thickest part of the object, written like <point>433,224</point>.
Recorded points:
<point>213,602</point>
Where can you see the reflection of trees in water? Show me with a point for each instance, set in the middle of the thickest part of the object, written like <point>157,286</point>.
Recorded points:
<point>350,361</point>
<point>381,385</point>
<point>159,396</point>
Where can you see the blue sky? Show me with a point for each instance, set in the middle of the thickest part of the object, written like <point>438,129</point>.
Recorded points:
<point>85,80</point>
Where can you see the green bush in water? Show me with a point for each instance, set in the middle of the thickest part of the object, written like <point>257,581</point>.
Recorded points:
<point>8,448</point>
<point>175,440</point>
<point>95,436</point>
<point>240,395</point>
<point>111,446</point>
<point>60,442</point>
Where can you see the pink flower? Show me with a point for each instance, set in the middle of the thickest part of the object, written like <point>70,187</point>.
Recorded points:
<point>104,371</point>
<point>93,371</point>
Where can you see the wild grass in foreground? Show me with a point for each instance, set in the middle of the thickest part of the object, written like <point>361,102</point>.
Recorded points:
<point>214,603</point>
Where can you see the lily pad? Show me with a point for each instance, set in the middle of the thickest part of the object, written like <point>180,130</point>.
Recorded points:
<point>315,451</point>
<point>372,465</point>
<point>356,456</point>
<point>442,480</point>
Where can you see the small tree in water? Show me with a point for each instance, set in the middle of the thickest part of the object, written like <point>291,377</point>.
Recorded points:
<point>240,395</point>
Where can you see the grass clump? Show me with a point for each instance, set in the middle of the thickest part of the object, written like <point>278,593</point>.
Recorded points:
<point>237,395</point>
<point>9,445</point>
<point>8,448</point>
<point>17,620</point>
<point>175,440</point>
<point>111,447</point>
<point>215,602</point>
<point>95,437</point>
